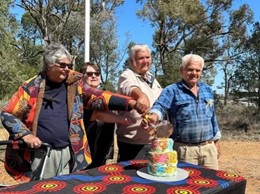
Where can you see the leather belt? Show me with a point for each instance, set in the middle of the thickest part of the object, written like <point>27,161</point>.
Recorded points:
<point>196,144</point>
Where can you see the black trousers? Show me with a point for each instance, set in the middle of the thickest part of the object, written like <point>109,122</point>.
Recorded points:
<point>100,138</point>
<point>132,151</point>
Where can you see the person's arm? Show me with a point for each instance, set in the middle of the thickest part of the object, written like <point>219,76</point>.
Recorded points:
<point>13,113</point>
<point>163,104</point>
<point>111,117</point>
<point>217,132</point>
<point>214,122</point>
<point>128,85</point>
<point>100,100</point>
<point>159,109</point>
<point>140,97</point>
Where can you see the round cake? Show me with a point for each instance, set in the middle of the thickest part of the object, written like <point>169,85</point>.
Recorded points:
<point>162,159</point>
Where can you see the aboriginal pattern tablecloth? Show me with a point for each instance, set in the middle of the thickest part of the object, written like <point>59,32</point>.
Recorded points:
<point>122,178</point>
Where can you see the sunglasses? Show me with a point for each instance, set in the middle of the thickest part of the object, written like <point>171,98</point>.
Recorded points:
<point>64,65</point>
<point>92,73</point>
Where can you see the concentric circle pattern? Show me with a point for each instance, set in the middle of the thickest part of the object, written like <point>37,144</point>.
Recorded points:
<point>117,179</point>
<point>139,188</point>
<point>202,182</point>
<point>111,169</point>
<point>49,186</point>
<point>192,172</point>
<point>182,190</point>
<point>89,188</point>
<point>229,176</point>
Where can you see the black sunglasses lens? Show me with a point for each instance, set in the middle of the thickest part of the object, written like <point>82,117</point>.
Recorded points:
<point>64,65</point>
<point>93,73</point>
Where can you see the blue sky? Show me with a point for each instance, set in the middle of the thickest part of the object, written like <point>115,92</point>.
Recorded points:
<point>141,32</point>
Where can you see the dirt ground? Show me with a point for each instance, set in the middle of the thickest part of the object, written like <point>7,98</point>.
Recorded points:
<point>239,157</point>
<point>242,158</point>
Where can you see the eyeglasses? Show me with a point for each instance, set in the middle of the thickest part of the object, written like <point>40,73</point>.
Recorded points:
<point>92,73</point>
<point>64,65</point>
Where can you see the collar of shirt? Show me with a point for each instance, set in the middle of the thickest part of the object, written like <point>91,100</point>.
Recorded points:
<point>147,77</point>
<point>149,80</point>
<point>184,85</point>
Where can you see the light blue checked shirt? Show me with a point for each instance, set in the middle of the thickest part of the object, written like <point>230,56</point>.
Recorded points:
<point>193,118</point>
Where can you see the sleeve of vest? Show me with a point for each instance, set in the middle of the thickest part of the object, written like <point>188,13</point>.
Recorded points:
<point>96,99</point>
<point>14,113</point>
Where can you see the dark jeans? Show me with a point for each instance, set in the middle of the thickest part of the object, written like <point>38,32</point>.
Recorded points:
<point>100,138</point>
<point>132,151</point>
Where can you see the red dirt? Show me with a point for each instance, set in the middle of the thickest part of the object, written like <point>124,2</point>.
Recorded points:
<point>242,158</point>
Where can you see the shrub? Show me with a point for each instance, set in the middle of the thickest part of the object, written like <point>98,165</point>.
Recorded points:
<point>239,122</point>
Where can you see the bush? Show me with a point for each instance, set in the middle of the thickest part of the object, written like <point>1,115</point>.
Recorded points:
<point>239,122</point>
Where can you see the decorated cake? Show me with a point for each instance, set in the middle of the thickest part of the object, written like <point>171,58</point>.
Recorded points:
<point>162,159</point>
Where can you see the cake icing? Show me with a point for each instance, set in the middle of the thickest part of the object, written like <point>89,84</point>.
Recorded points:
<point>162,159</point>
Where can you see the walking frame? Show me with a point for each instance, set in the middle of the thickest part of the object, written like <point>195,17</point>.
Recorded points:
<point>20,145</point>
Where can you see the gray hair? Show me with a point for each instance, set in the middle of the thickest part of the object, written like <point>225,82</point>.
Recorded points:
<point>136,48</point>
<point>53,53</point>
<point>191,57</point>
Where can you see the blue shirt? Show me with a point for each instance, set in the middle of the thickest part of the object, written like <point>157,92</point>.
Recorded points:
<point>53,123</point>
<point>193,117</point>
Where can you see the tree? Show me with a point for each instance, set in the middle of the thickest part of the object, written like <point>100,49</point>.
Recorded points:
<point>104,48</point>
<point>193,26</point>
<point>247,82</point>
<point>11,71</point>
<point>63,21</point>
<point>233,46</point>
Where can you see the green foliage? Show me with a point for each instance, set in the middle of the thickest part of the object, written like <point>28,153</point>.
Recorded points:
<point>9,59</point>
<point>12,75</point>
<point>169,72</point>
<point>104,44</point>
<point>199,27</point>
<point>29,29</point>
<point>247,78</point>
<point>30,53</point>
<point>63,21</point>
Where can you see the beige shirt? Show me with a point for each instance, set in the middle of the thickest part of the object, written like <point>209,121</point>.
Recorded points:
<point>128,80</point>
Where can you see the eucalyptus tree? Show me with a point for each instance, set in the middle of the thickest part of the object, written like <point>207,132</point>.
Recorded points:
<point>192,26</point>
<point>12,72</point>
<point>104,48</point>
<point>233,46</point>
<point>47,21</point>
<point>247,80</point>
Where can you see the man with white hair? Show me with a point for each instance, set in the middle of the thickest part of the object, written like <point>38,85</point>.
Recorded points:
<point>136,81</point>
<point>189,104</point>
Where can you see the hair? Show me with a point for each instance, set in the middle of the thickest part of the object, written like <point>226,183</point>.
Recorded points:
<point>191,57</point>
<point>85,66</point>
<point>53,53</point>
<point>136,48</point>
